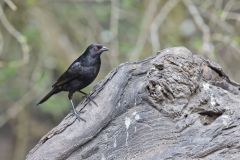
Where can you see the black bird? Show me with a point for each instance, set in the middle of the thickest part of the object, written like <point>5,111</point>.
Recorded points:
<point>79,74</point>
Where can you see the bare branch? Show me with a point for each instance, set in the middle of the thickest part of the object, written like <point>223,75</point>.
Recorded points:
<point>18,36</point>
<point>23,101</point>
<point>97,1</point>
<point>1,43</point>
<point>207,46</point>
<point>114,22</point>
<point>218,4</point>
<point>11,5</point>
<point>142,37</point>
<point>217,20</point>
<point>226,40</point>
<point>16,107</point>
<point>231,16</point>
<point>158,21</point>
<point>226,9</point>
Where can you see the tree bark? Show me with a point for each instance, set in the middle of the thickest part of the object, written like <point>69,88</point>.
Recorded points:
<point>174,105</point>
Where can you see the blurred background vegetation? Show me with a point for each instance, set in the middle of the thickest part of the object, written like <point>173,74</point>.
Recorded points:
<point>40,38</point>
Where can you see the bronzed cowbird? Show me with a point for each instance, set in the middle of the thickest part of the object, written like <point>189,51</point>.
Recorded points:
<point>79,74</point>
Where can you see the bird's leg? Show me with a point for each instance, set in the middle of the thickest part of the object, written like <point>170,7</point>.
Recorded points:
<point>76,113</point>
<point>88,97</point>
<point>74,109</point>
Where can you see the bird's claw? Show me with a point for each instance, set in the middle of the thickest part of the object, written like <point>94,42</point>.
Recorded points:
<point>90,99</point>
<point>82,111</point>
<point>77,112</point>
<point>78,117</point>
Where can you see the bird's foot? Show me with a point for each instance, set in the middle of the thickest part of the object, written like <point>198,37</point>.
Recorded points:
<point>76,114</point>
<point>88,97</point>
<point>82,111</point>
<point>79,112</point>
<point>78,117</point>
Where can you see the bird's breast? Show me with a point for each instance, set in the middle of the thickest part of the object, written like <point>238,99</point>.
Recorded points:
<point>90,73</point>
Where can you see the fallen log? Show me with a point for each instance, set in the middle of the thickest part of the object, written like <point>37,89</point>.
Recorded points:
<point>174,105</point>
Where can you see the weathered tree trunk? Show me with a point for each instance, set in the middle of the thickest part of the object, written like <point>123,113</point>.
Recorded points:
<point>171,106</point>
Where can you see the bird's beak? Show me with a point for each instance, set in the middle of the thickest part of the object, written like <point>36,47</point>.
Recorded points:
<point>104,49</point>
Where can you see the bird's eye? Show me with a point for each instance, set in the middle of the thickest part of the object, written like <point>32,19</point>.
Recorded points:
<point>97,48</point>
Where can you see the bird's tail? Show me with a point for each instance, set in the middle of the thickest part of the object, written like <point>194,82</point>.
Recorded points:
<point>52,92</point>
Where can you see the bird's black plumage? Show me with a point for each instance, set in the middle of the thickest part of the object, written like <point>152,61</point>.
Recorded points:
<point>79,74</point>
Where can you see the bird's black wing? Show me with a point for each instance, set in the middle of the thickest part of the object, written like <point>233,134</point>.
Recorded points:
<point>73,72</point>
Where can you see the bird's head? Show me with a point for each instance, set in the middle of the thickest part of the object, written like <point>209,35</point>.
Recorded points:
<point>96,49</point>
